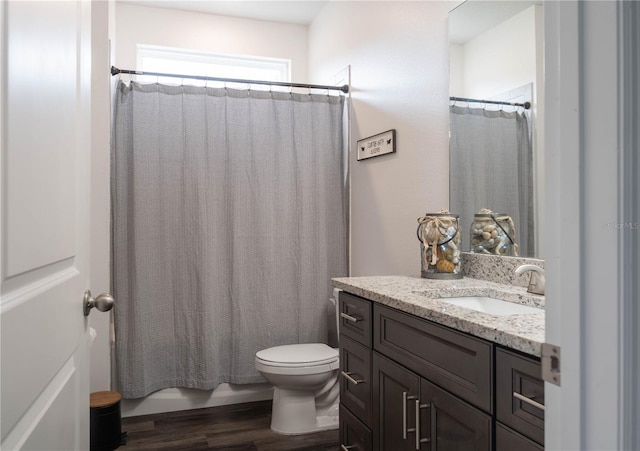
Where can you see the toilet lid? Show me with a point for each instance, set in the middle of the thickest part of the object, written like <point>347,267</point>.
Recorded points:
<point>298,355</point>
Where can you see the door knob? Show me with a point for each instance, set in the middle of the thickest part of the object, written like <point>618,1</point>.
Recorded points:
<point>103,302</point>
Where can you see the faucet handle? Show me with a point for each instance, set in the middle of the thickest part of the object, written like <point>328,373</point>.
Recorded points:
<point>537,280</point>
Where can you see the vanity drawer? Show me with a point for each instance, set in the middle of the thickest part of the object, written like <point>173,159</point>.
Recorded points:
<point>355,318</point>
<point>355,378</point>
<point>455,361</point>
<point>519,378</point>
<point>354,435</point>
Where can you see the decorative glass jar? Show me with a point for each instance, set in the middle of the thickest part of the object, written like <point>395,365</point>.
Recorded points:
<point>493,233</point>
<point>439,236</point>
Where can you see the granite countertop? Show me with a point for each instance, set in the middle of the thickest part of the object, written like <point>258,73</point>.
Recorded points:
<point>417,296</point>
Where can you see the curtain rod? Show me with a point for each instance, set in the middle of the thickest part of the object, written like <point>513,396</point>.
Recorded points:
<point>344,88</point>
<point>525,105</point>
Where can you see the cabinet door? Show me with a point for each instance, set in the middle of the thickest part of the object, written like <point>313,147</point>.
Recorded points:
<point>450,424</point>
<point>395,391</point>
<point>509,440</point>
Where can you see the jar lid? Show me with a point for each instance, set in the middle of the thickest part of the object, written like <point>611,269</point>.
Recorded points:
<point>441,215</point>
<point>491,215</point>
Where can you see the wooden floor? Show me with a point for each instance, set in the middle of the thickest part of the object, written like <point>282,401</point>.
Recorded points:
<point>237,427</point>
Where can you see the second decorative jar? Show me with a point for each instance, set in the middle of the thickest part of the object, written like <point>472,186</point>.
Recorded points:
<point>493,233</point>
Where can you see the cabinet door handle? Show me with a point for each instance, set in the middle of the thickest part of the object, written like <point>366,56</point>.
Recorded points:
<point>350,318</point>
<point>528,400</point>
<point>348,447</point>
<point>348,377</point>
<point>418,439</point>
<point>404,415</point>
<point>405,398</point>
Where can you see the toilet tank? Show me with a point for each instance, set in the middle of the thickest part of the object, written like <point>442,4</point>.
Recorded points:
<point>333,316</point>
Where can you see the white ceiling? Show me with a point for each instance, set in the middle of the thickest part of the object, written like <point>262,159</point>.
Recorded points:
<point>298,12</point>
<point>466,21</point>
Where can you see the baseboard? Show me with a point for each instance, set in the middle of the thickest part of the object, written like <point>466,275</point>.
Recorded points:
<point>173,399</point>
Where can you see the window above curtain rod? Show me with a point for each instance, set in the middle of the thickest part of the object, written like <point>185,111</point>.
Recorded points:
<point>344,88</point>
<point>525,105</point>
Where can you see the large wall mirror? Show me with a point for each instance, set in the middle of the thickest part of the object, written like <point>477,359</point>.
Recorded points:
<point>496,149</point>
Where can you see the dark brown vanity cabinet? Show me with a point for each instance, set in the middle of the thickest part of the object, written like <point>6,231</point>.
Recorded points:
<point>410,384</point>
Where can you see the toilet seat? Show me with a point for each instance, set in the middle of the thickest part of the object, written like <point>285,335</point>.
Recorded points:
<point>298,355</point>
<point>308,358</point>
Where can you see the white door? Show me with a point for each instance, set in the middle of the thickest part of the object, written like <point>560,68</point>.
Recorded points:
<point>44,218</point>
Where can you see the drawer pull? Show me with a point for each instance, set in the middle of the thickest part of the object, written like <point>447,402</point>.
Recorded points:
<point>347,448</point>
<point>528,400</point>
<point>405,398</point>
<point>418,439</point>
<point>348,377</point>
<point>350,318</point>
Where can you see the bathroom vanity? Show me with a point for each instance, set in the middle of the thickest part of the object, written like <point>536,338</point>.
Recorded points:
<point>419,373</point>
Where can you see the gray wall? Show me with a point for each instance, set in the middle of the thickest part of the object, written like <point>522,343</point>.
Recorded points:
<point>398,52</point>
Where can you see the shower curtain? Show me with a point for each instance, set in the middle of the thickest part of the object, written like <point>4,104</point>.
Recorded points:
<point>229,219</point>
<point>491,167</point>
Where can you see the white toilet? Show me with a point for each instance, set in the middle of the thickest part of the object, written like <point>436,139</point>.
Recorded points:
<point>307,389</point>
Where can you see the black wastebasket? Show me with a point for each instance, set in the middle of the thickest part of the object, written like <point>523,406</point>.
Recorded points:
<point>105,421</point>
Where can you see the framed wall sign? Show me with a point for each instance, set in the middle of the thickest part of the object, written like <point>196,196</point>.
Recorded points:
<point>376,145</point>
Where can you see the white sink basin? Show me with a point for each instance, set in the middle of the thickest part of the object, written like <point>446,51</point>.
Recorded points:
<point>491,306</point>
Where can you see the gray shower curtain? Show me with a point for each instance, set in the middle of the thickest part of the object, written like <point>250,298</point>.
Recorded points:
<point>229,219</point>
<point>491,167</point>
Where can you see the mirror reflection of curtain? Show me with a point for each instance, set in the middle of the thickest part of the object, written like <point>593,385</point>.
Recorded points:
<point>229,220</point>
<point>491,167</point>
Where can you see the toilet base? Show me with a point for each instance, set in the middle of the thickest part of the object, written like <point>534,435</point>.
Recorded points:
<point>294,413</point>
<point>322,424</point>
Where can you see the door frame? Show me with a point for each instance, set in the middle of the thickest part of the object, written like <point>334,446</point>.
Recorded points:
<point>629,240</point>
<point>100,226</point>
<point>591,255</point>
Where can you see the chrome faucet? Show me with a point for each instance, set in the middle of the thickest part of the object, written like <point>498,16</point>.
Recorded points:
<point>536,282</point>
